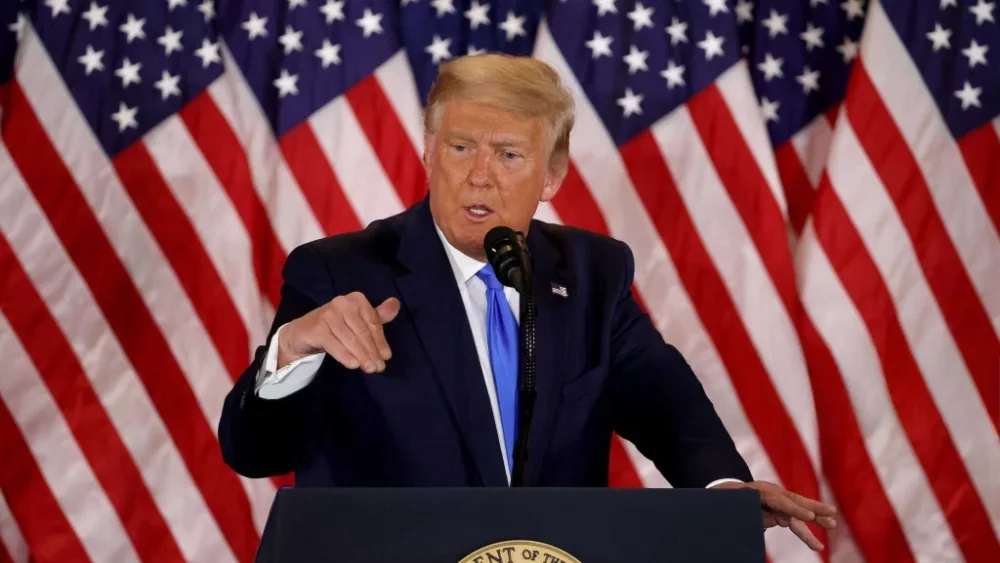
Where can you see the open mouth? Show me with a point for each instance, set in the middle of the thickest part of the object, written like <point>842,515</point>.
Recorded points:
<point>478,212</point>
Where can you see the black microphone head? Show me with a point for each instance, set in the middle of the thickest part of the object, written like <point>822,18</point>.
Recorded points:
<point>503,253</point>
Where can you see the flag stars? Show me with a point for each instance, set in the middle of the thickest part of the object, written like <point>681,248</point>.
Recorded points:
<point>439,49</point>
<point>813,36</point>
<point>18,26</point>
<point>716,7</point>
<point>809,79</point>
<point>969,96</point>
<point>769,109</point>
<point>125,117</point>
<point>472,51</point>
<point>292,4</point>
<point>744,11</point>
<point>513,26</point>
<point>605,7</point>
<point>132,28</point>
<point>983,11</point>
<point>286,84</point>
<point>443,7</point>
<point>171,4</point>
<point>677,30</point>
<point>674,74</point>
<point>976,53</point>
<point>255,27</point>
<point>599,45</point>
<point>329,53</point>
<point>771,67</point>
<point>333,10</point>
<point>636,60</point>
<point>171,40</point>
<point>848,49</point>
<point>775,23</point>
<point>92,60</point>
<point>370,22</point>
<point>58,7</point>
<point>853,9</point>
<point>96,16</point>
<point>168,85</point>
<point>940,37</point>
<point>477,14</point>
<point>129,72</point>
<point>712,45</point>
<point>630,103</point>
<point>207,9</point>
<point>291,40</point>
<point>946,3</point>
<point>641,17</point>
<point>208,53</point>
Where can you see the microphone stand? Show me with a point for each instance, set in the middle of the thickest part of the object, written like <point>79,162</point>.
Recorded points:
<point>527,369</point>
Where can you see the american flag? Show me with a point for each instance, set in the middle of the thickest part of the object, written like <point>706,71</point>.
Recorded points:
<point>811,190</point>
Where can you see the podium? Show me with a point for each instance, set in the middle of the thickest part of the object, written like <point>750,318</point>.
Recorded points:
<point>501,525</point>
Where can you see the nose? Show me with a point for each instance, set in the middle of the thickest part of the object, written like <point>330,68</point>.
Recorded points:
<point>479,175</point>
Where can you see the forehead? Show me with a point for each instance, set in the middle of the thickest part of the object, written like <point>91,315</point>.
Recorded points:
<point>480,119</point>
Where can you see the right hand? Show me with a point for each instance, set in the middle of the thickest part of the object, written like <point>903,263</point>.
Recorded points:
<point>347,328</point>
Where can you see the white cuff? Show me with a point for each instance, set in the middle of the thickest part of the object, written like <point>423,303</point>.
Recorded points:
<point>721,481</point>
<point>273,383</point>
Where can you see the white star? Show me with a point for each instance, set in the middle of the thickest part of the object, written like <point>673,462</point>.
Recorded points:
<point>291,40</point>
<point>775,24</point>
<point>813,36</point>
<point>477,14</point>
<point>976,53</point>
<point>853,9</point>
<point>174,3</point>
<point>946,3</point>
<point>329,53</point>
<point>630,103</point>
<point>599,45</point>
<point>168,85</point>
<point>96,16</point>
<point>771,67</point>
<point>674,74</point>
<point>636,60</point>
<point>439,49</point>
<point>207,9</point>
<point>292,4</point>
<point>370,22</point>
<point>941,37</point>
<point>641,17</point>
<point>171,40</point>
<point>815,3</point>
<point>712,45</point>
<point>605,7</point>
<point>677,30</point>
<point>18,26</point>
<point>474,51</point>
<point>513,26</point>
<point>848,49</point>
<point>443,7</point>
<point>809,79</point>
<point>125,117</point>
<point>255,27</point>
<point>969,96</point>
<point>286,84</point>
<point>208,53</point>
<point>133,28</point>
<point>716,6</point>
<point>769,109</point>
<point>744,11</point>
<point>58,6</point>
<point>333,10</point>
<point>129,72</point>
<point>983,11</point>
<point>91,60</point>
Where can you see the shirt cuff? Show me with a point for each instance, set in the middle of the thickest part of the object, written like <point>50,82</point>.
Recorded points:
<point>721,481</point>
<point>273,383</point>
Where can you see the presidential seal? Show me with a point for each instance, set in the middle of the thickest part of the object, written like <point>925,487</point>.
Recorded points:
<point>519,551</point>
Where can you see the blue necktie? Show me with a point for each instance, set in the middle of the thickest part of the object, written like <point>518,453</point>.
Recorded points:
<point>501,333</point>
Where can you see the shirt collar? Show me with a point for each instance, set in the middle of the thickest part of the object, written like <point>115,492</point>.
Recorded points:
<point>463,266</point>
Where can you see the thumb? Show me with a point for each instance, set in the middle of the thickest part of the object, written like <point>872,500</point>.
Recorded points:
<point>388,309</point>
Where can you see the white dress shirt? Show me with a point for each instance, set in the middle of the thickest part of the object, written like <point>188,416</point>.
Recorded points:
<point>273,383</point>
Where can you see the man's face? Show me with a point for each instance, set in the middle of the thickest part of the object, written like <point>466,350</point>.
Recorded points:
<point>485,168</point>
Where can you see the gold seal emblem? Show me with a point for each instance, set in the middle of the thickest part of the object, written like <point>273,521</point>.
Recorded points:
<point>519,551</point>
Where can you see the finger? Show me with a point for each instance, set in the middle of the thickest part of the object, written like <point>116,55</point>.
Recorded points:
<point>819,508</point>
<point>350,341</point>
<point>806,535</point>
<point>826,522</point>
<point>782,520</point>
<point>388,309</point>
<point>783,504</point>
<point>332,345</point>
<point>362,329</point>
<point>374,322</point>
<point>769,520</point>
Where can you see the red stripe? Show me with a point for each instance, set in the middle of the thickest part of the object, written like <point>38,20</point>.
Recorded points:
<point>177,237</point>
<point>224,153</point>
<point>980,149</point>
<point>317,180</point>
<point>5,556</point>
<point>774,428</point>
<point>912,400</point>
<point>48,533</point>
<point>621,471</point>
<point>378,119</point>
<point>955,294</point>
<point>66,381</point>
<point>576,206</point>
<point>799,191</point>
<point>94,256</point>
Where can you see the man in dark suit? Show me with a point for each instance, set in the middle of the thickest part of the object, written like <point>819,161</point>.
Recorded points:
<point>420,389</point>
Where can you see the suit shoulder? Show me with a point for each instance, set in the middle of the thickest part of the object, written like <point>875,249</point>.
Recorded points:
<point>574,241</point>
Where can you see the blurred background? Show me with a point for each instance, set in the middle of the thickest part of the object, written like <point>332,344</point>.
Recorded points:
<point>811,189</point>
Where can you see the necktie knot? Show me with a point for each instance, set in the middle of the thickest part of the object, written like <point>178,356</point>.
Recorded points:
<point>489,277</point>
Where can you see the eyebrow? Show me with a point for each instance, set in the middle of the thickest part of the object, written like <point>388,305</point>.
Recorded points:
<point>501,142</point>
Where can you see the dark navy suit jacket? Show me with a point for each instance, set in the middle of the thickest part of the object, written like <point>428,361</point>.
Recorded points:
<point>427,421</point>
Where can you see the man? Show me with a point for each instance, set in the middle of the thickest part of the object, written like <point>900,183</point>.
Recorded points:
<point>392,358</point>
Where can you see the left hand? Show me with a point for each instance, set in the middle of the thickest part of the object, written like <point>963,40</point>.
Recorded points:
<point>789,510</point>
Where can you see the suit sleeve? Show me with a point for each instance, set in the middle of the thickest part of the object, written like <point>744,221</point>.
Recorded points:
<point>660,405</point>
<point>265,437</point>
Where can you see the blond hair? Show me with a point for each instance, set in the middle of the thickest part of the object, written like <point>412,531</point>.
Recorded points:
<point>520,85</point>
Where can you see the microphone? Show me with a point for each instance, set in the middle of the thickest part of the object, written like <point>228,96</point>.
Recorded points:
<point>507,252</point>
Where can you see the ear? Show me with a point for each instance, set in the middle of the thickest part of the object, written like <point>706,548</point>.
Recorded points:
<point>428,152</point>
<point>554,178</point>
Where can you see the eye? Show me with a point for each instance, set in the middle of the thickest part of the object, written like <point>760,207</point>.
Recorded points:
<point>459,147</point>
<point>511,155</point>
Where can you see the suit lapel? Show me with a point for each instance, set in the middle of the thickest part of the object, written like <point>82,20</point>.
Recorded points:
<point>430,294</point>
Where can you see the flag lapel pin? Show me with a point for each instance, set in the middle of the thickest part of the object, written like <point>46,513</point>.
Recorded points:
<point>559,290</point>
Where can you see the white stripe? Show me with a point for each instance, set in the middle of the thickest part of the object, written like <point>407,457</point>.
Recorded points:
<point>10,534</point>
<point>291,217</point>
<point>220,230</point>
<point>812,145</point>
<point>106,366</point>
<point>842,328</point>
<point>736,88</point>
<point>355,164</point>
<point>918,118</point>
<point>396,78</point>
<point>733,253</point>
<point>885,238</point>
<point>63,466</point>
<point>546,212</point>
